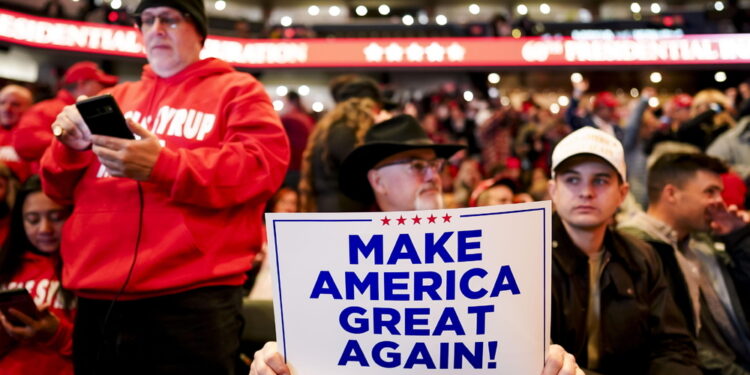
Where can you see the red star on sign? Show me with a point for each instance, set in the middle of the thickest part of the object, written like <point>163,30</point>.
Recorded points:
<point>401,220</point>
<point>447,218</point>
<point>431,219</point>
<point>386,221</point>
<point>416,219</point>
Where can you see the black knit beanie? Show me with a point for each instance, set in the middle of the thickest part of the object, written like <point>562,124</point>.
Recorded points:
<point>194,8</point>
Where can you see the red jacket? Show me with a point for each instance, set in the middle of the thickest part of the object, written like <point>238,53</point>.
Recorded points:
<point>9,156</point>
<point>39,277</point>
<point>225,153</point>
<point>33,133</point>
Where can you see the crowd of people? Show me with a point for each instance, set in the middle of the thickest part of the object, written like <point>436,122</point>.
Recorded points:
<point>137,252</point>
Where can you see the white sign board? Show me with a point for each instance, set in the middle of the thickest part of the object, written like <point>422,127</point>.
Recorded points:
<point>417,292</point>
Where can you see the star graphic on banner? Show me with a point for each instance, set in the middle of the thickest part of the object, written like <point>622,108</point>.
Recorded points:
<point>456,52</point>
<point>447,218</point>
<point>401,220</point>
<point>394,53</point>
<point>435,52</point>
<point>416,219</point>
<point>431,219</point>
<point>386,221</point>
<point>415,52</point>
<point>374,52</point>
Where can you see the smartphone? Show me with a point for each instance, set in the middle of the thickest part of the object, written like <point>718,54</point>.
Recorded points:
<point>103,117</point>
<point>21,300</point>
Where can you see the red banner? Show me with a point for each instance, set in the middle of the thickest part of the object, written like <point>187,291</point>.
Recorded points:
<point>395,52</point>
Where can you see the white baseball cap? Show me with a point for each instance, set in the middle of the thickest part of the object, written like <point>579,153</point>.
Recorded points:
<point>591,141</point>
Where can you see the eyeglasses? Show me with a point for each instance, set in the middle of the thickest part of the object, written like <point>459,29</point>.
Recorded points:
<point>54,216</point>
<point>146,22</point>
<point>419,166</point>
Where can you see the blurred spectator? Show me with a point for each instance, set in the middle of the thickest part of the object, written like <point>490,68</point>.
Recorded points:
<point>496,136</point>
<point>711,116</point>
<point>734,148</point>
<point>432,128</point>
<point>8,189</point>
<point>493,192</point>
<point>604,113</point>
<point>14,101</point>
<point>285,200</point>
<point>638,129</point>
<point>360,103</point>
<point>298,125</point>
<point>468,176</point>
<point>34,134</point>
<point>501,25</point>
<point>53,8</point>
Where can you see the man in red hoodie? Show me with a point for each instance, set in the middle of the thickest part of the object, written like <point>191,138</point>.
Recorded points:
<point>164,227</point>
<point>33,133</point>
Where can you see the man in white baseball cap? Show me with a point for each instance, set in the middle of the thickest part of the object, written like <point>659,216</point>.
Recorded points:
<point>611,307</point>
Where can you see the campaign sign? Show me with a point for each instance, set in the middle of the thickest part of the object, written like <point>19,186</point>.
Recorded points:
<point>416,292</point>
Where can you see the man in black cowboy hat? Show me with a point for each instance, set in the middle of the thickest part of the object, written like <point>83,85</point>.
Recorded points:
<point>398,168</point>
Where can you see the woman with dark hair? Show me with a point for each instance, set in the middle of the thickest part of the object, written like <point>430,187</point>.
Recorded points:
<point>30,259</point>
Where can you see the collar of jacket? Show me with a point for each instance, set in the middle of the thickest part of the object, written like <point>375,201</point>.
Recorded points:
<point>572,259</point>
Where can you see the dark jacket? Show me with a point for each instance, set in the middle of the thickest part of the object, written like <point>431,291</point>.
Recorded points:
<point>715,355</point>
<point>327,158</point>
<point>642,332</point>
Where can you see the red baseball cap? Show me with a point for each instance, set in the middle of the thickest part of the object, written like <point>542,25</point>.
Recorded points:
<point>88,70</point>
<point>682,100</point>
<point>605,99</point>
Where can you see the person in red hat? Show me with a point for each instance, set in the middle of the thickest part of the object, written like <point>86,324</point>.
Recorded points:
<point>603,116</point>
<point>34,134</point>
<point>678,109</point>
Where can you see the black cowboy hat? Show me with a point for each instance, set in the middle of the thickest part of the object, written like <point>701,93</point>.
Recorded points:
<point>398,134</point>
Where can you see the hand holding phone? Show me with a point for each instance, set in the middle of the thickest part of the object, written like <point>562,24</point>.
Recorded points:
<point>21,319</point>
<point>102,115</point>
<point>20,300</point>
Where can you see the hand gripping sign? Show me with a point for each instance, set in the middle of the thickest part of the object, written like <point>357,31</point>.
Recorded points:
<point>417,292</point>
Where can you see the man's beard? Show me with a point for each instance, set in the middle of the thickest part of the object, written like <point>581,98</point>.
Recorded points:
<point>429,201</point>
